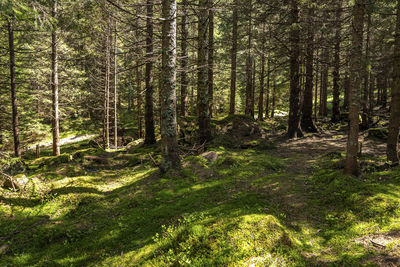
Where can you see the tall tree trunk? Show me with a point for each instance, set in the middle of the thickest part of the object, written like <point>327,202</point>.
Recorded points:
<point>139,96</point>
<point>15,123</point>
<point>150,137</point>
<point>232,103</point>
<point>184,73</point>
<point>365,111</point>
<point>394,122</point>
<point>346,88</point>
<point>54,83</point>
<point>116,86</point>
<point>249,66</point>
<point>324,83</point>
<point>273,99</point>
<point>371,98</point>
<point>210,81</point>
<point>169,133</point>
<point>262,78</point>
<point>336,71</point>
<point>351,166</point>
<point>316,87</point>
<point>294,129</point>
<point>307,123</point>
<point>202,90</point>
<point>106,122</point>
<point>267,100</point>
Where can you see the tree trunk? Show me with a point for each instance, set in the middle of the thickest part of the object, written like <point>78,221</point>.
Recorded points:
<point>15,123</point>
<point>54,83</point>
<point>249,67</point>
<point>106,122</point>
<point>184,73</point>
<point>273,100</point>
<point>262,74</point>
<point>316,87</point>
<point>307,123</point>
<point>356,68</point>
<point>366,96</point>
<point>169,133</point>
<point>149,116</point>
<point>346,88</point>
<point>294,129</point>
<point>394,122</point>
<point>210,81</point>
<point>232,103</point>
<point>267,100</point>
<point>324,83</point>
<point>336,71</point>
<point>202,90</point>
<point>116,87</point>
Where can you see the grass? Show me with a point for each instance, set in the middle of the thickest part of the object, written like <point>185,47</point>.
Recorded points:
<point>248,207</point>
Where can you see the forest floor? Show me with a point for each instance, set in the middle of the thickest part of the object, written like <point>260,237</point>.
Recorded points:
<point>282,202</point>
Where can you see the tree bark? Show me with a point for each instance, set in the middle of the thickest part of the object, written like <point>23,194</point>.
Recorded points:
<point>54,82</point>
<point>210,81</point>
<point>116,86</point>
<point>307,123</point>
<point>184,63</point>
<point>267,100</point>
<point>316,87</point>
<point>150,137</point>
<point>336,71</point>
<point>232,104</point>
<point>249,67</point>
<point>394,122</point>
<point>273,100</point>
<point>356,69</point>
<point>324,83</point>
<point>365,111</point>
<point>106,122</point>
<point>262,79</point>
<point>294,129</point>
<point>169,133</point>
<point>202,90</point>
<point>14,105</point>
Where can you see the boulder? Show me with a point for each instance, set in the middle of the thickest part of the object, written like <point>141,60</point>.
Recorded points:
<point>210,156</point>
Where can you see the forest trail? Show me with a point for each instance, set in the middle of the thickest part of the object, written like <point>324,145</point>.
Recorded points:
<point>66,141</point>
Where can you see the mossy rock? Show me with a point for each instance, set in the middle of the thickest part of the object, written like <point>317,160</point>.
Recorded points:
<point>14,166</point>
<point>379,133</point>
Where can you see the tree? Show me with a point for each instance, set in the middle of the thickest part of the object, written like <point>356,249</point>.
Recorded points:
<point>54,83</point>
<point>336,71</point>
<point>394,122</point>
<point>169,133</point>
<point>15,120</point>
<point>210,80</point>
<point>202,89</point>
<point>294,129</point>
<point>232,102</point>
<point>249,110</point>
<point>307,123</point>
<point>351,166</point>
<point>184,62</point>
<point>150,137</point>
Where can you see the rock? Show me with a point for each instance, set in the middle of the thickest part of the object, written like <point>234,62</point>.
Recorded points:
<point>210,156</point>
<point>3,249</point>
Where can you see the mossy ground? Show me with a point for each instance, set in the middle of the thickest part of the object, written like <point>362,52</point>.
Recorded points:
<point>253,206</point>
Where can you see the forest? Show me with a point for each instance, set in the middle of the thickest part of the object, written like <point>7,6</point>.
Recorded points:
<point>199,133</point>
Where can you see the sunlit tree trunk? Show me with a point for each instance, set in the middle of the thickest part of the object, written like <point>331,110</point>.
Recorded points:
<point>267,99</point>
<point>210,80</point>
<point>356,70</point>
<point>169,133</point>
<point>249,66</point>
<point>365,111</point>
<point>394,123</point>
<point>54,83</point>
<point>116,85</point>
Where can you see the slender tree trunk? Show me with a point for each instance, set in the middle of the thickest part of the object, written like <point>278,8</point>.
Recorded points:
<point>116,86</point>
<point>106,123</point>
<point>294,129</point>
<point>184,73</point>
<point>346,88</point>
<point>262,74</point>
<point>149,116</point>
<point>366,96</point>
<point>15,123</point>
<point>202,90</point>
<point>371,98</point>
<point>384,88</point>
<point>273,100</point>
<point>249,66</point>
<point>394,122</point>
<point>351,166</point>
<point>316,87</point>
<point>232,103</point>
<point>169,133</point>
<point>267,100</point>
<point>324,83</point>
<point>210,81</point>
<point>336,71</point>
<point>307,123</point>
<point>54,83</point>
